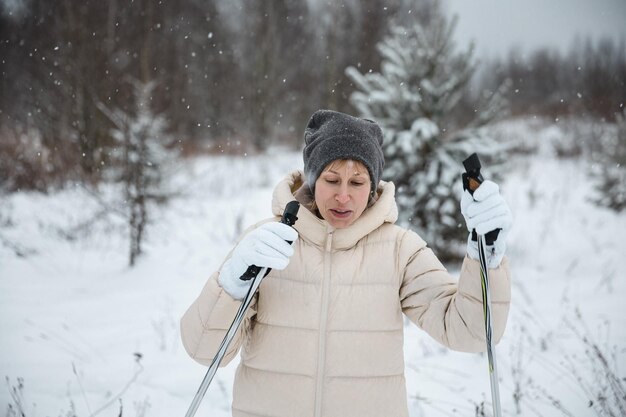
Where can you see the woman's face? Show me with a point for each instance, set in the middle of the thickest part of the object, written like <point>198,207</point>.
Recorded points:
<point>342,192</point>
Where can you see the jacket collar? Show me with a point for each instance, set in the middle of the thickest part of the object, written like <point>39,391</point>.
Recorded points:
<point>315,230</point>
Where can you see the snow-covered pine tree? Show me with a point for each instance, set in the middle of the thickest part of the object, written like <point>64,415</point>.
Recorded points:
<point>141,155</point>
<point>609,169</point>
<point>414,98</point>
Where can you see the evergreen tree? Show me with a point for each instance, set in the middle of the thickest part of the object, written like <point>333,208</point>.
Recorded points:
<point>415,98</point>
<point>141,155</point>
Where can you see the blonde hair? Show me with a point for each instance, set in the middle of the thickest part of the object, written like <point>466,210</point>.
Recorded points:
<point>338,163</point>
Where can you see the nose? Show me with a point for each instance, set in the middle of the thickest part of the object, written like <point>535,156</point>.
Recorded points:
<point>342,196</point>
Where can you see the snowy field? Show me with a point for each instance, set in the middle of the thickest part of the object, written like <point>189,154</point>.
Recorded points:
<point>81,334</point>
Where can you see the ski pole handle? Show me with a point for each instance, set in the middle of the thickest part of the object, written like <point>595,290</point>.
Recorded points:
<point>472,178</point>
<point>289,218</point>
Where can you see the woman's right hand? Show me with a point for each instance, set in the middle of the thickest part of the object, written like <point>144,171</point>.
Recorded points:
<point>266,246</point>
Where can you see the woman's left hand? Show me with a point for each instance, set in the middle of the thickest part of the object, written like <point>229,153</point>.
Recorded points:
<point>485,211</point>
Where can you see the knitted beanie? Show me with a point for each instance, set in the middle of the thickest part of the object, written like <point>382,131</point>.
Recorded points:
<point>331,135</point>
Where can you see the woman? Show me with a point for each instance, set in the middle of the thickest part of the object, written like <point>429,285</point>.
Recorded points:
<point>325,336</point>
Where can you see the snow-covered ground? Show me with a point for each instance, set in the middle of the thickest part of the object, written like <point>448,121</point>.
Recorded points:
<point>86,335</point>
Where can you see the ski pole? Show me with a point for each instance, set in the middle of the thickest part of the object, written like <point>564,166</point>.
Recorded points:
<point>256,274</point>
<point>472,178</point>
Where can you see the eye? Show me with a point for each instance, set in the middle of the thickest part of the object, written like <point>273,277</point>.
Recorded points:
<point>331,181</point>
<point>358,183</point>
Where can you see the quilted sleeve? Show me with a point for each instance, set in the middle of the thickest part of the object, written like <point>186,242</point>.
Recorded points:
<point>206,321</point>
<point>451,311</point>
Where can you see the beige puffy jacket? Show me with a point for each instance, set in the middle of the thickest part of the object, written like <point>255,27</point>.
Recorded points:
<point>325,336</point>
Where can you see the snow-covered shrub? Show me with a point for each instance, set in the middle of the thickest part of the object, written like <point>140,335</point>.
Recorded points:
<point>413,98</point>
<point>566,145</point>
<point>25,161</point>
<point>580,137</point>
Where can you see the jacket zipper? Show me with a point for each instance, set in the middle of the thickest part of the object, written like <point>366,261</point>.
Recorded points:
<point>321,349</point>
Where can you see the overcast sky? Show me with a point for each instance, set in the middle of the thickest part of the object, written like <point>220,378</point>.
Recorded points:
<point>498,25</point>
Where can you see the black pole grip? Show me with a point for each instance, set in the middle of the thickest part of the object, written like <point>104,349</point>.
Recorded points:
<point>472,178</point>
<point>289,218</point>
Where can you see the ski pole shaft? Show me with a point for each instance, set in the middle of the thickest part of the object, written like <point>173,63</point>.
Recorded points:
<point>472,179</point>
<point>491,349</point>
<point>289,218</point>
<point>232,331</point>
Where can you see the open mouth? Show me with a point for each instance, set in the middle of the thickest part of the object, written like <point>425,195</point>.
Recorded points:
<point>341,214</point>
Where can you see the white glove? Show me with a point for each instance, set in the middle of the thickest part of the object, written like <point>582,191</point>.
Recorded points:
<point>485,211</point>
<point>265,246</point>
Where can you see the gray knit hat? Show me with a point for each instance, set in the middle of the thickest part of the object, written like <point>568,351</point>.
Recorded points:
<point>331,135</point>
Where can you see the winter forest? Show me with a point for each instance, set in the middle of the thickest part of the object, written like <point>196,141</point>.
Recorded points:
<point>140,138</point>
